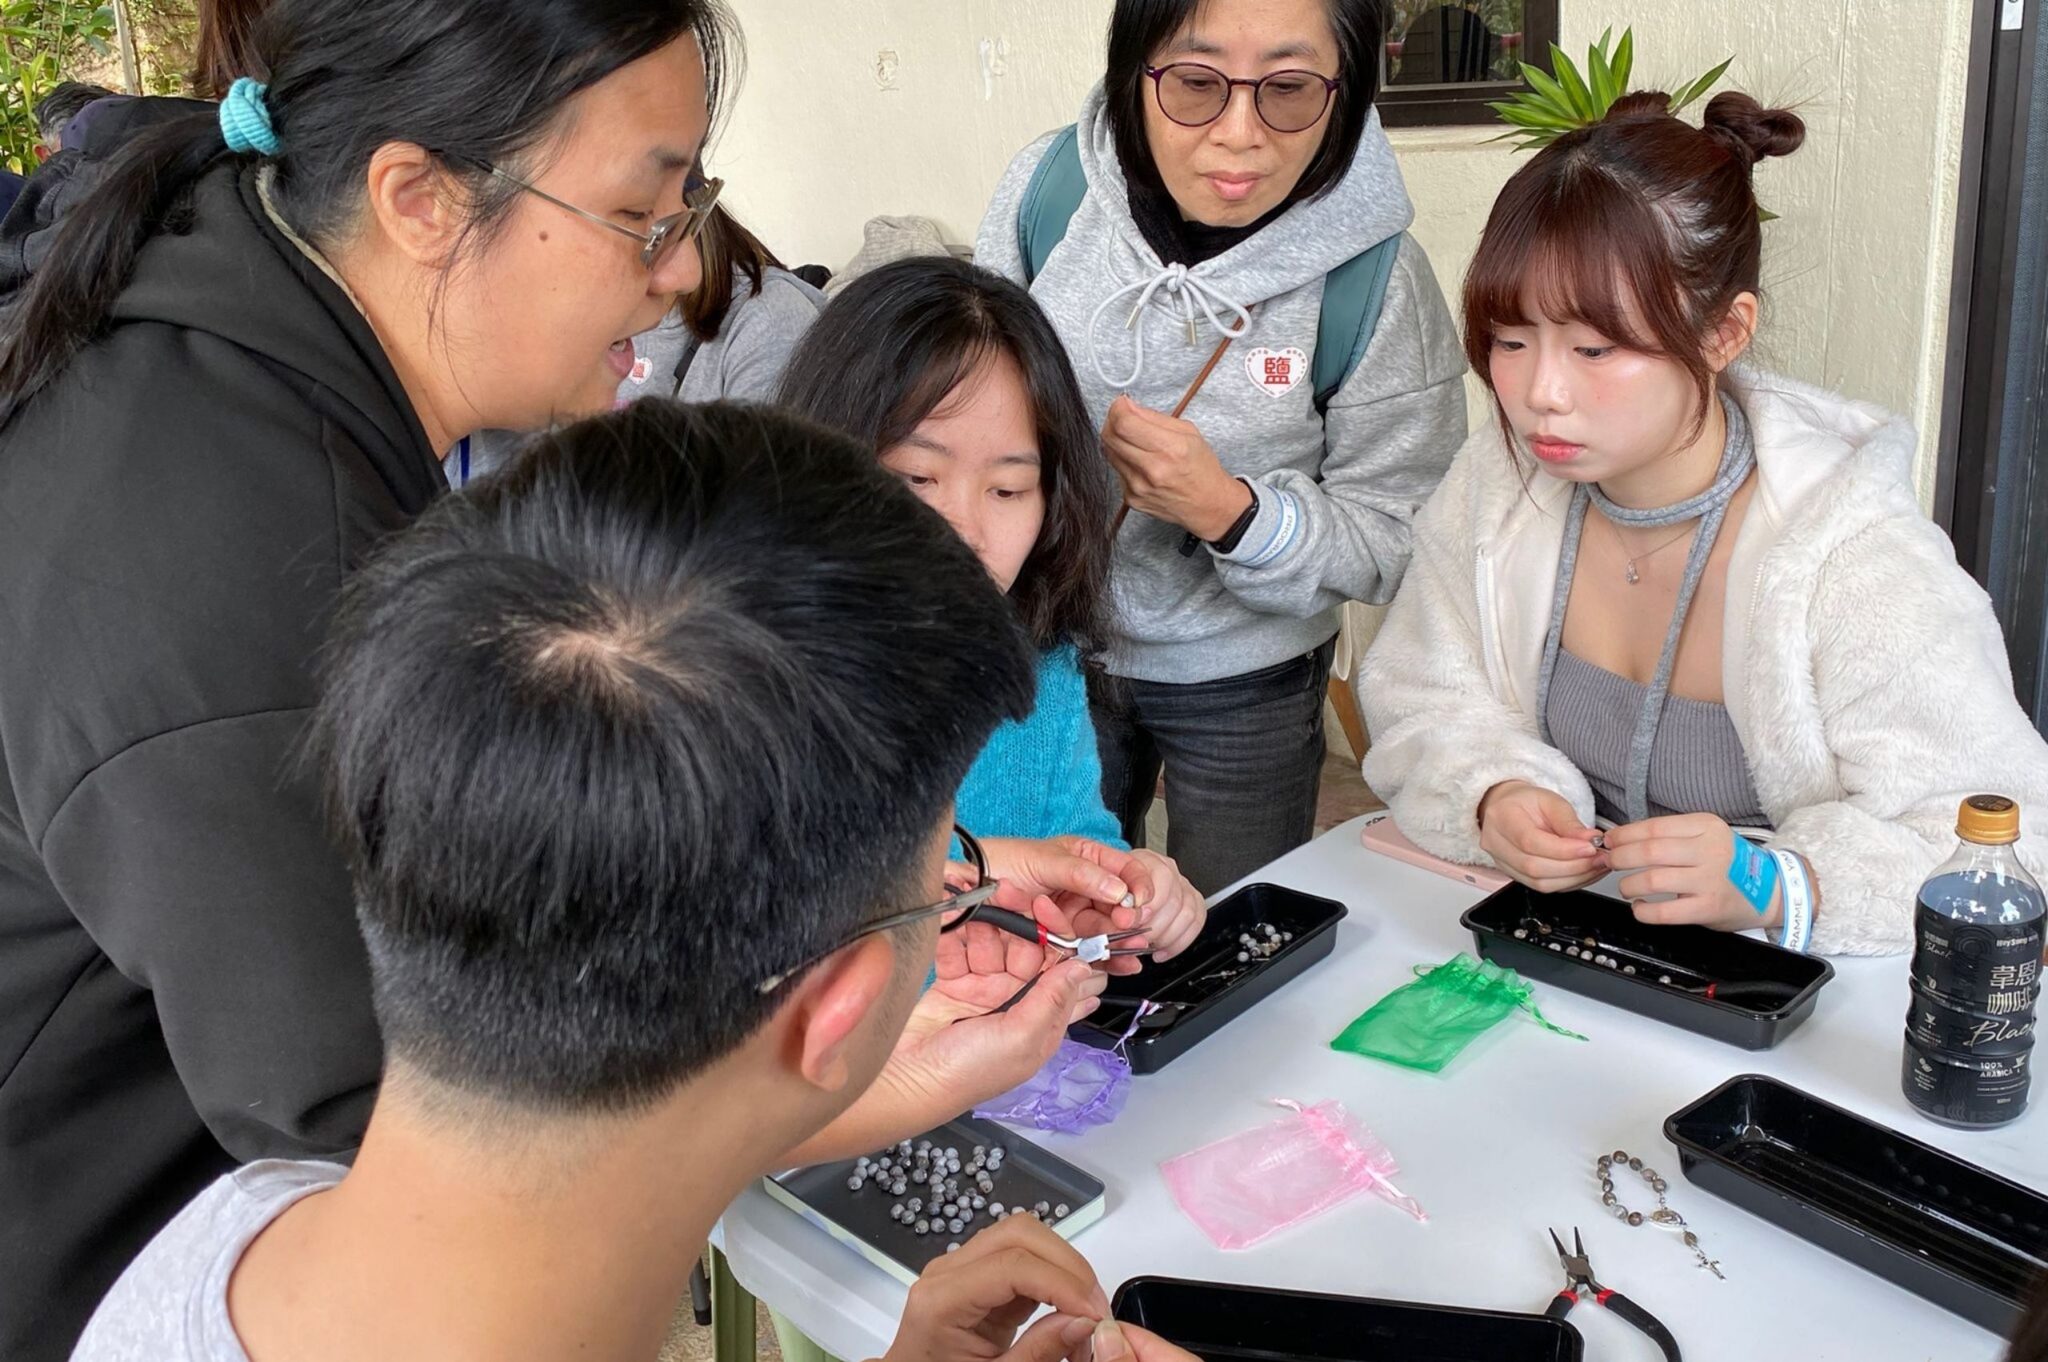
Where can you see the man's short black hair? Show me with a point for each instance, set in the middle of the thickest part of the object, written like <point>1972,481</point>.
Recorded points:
<point>674,703</point>
<point>64,103</point>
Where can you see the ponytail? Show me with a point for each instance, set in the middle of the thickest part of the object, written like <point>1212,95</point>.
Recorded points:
<point>93,253</point>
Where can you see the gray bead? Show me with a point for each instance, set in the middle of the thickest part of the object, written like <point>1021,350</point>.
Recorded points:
<point>1628,969</point>
<point>1635,1218</point>
<point>1607,1198</point>
<point>1242,958</point>
<point>956,1225</point>
<point>1042,1207</point>
<point>1556,947</point>
<point>1060,1211</point>
<point>995,1208</point>
<point>898,1187</point>
<point>979,1202</point>
<point>1636,1165</point>
<point>854,1183</point>
<point>1620,1156</point>
<point>923,1226</point>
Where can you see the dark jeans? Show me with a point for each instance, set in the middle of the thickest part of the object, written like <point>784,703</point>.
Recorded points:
<point>1243,758</point>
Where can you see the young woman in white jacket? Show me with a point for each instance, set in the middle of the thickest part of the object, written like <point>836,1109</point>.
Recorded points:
<point>1672,595</point>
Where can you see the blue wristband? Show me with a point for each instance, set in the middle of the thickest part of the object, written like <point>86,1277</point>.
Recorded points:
<point>1754,873</point>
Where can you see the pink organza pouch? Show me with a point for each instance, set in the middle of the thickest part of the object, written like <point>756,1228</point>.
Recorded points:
<point>1250,1186</point>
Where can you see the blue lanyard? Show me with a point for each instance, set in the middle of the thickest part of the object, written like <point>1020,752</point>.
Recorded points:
<point>462,462</point>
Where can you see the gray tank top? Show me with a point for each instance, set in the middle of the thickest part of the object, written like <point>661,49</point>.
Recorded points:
<point>1696,765</point>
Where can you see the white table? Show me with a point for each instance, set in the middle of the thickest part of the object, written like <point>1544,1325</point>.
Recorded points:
<point>1496,1149</point>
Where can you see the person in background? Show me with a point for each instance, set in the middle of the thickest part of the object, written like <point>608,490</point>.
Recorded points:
<point>1675,596</point>
<point>1232,161</point>
<point>571,727</point>
<point>229,378</point>
<point>739,327</point>
<point>58,112</point>
<point>86,140</point>
<point>729,338</point>
<point>228,46</point>
<point>957,380</point>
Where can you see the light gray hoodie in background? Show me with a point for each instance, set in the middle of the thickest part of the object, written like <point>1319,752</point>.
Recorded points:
<point>1337,492</point>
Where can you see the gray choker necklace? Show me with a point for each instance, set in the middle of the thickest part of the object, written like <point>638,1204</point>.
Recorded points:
<point>1738,456</point>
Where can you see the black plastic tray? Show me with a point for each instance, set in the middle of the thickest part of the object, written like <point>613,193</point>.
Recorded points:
<point>1204,988</point>
<point>1222,1323</point>
<point>861,1219</point>
<point>1690,956</point>
<point>1966,1239</point>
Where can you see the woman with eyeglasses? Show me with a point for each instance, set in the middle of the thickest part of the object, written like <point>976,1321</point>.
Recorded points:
<point>234,372</point>
<point>728,339</point>
<point>1273,436</point>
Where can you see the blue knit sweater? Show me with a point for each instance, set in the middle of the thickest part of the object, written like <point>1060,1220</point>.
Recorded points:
<point>1042,777</point>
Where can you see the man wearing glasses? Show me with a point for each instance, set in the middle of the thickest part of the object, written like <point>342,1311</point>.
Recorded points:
<point>634,757</point>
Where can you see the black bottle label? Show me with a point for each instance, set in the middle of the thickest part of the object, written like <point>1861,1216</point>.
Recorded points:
<point>1970,1026</point>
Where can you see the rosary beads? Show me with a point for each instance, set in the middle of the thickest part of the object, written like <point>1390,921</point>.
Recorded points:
<point>1605,1168</point>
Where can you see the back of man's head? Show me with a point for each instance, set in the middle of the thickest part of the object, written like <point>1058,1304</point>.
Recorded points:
<point>674,704</point>
<point>65,102</point>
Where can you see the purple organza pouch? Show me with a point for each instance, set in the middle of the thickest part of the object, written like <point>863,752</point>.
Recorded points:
<point>1079,1087</point>
<point>1250,1186</point>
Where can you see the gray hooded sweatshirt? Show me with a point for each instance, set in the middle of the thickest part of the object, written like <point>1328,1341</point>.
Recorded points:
<point>1337,492</point>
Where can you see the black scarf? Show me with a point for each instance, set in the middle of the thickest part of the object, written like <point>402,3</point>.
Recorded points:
<point>1178,240</point>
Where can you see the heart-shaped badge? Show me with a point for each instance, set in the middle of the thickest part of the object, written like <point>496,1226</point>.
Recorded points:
<point>1276,372</point>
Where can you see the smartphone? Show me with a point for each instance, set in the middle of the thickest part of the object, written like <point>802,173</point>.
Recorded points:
<point>1383,836</point>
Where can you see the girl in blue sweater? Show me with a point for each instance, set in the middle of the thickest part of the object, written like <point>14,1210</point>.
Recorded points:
<point>957,379</point>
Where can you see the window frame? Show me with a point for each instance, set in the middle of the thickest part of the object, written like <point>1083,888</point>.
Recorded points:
<point>1463,104</point>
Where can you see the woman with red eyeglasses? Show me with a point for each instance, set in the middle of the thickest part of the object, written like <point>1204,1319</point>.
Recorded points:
<point>1221,242</point>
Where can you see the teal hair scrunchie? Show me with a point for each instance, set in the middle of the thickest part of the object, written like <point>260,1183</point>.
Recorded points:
<point>245,119</point>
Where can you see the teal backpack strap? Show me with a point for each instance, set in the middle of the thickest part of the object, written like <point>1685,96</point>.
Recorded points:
<point>1352,297</point>
<point>1050,201</point>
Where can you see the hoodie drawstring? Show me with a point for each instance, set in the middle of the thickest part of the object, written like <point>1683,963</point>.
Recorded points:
<point>1183,288</point>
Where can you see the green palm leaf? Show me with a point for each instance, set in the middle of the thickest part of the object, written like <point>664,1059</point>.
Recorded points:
<point>1574,84</point>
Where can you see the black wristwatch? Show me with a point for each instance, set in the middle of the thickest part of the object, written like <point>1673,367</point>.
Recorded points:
<point>1229,540</point>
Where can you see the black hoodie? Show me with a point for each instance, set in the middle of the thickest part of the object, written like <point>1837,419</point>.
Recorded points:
<point>182,986</point>
<point>61,183</point>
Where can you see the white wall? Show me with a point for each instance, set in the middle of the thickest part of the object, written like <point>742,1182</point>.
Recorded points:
<point>1857,271</point>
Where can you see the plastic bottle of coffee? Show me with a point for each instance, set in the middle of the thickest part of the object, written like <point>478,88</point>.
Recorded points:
<point>1976,975</point>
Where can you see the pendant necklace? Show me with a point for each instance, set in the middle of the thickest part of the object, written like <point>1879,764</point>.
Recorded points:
<point>1630,575</point>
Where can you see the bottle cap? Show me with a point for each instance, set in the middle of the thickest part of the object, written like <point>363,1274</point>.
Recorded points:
<point>1988,820</point>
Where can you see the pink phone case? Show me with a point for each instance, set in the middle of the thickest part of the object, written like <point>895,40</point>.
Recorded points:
<point>1382,836</point>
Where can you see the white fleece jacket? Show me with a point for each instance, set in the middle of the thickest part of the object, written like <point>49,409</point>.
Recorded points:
<point>1863,669</point>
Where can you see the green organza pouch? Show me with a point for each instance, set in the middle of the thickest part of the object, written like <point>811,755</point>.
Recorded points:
<point>1424,1025</point>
